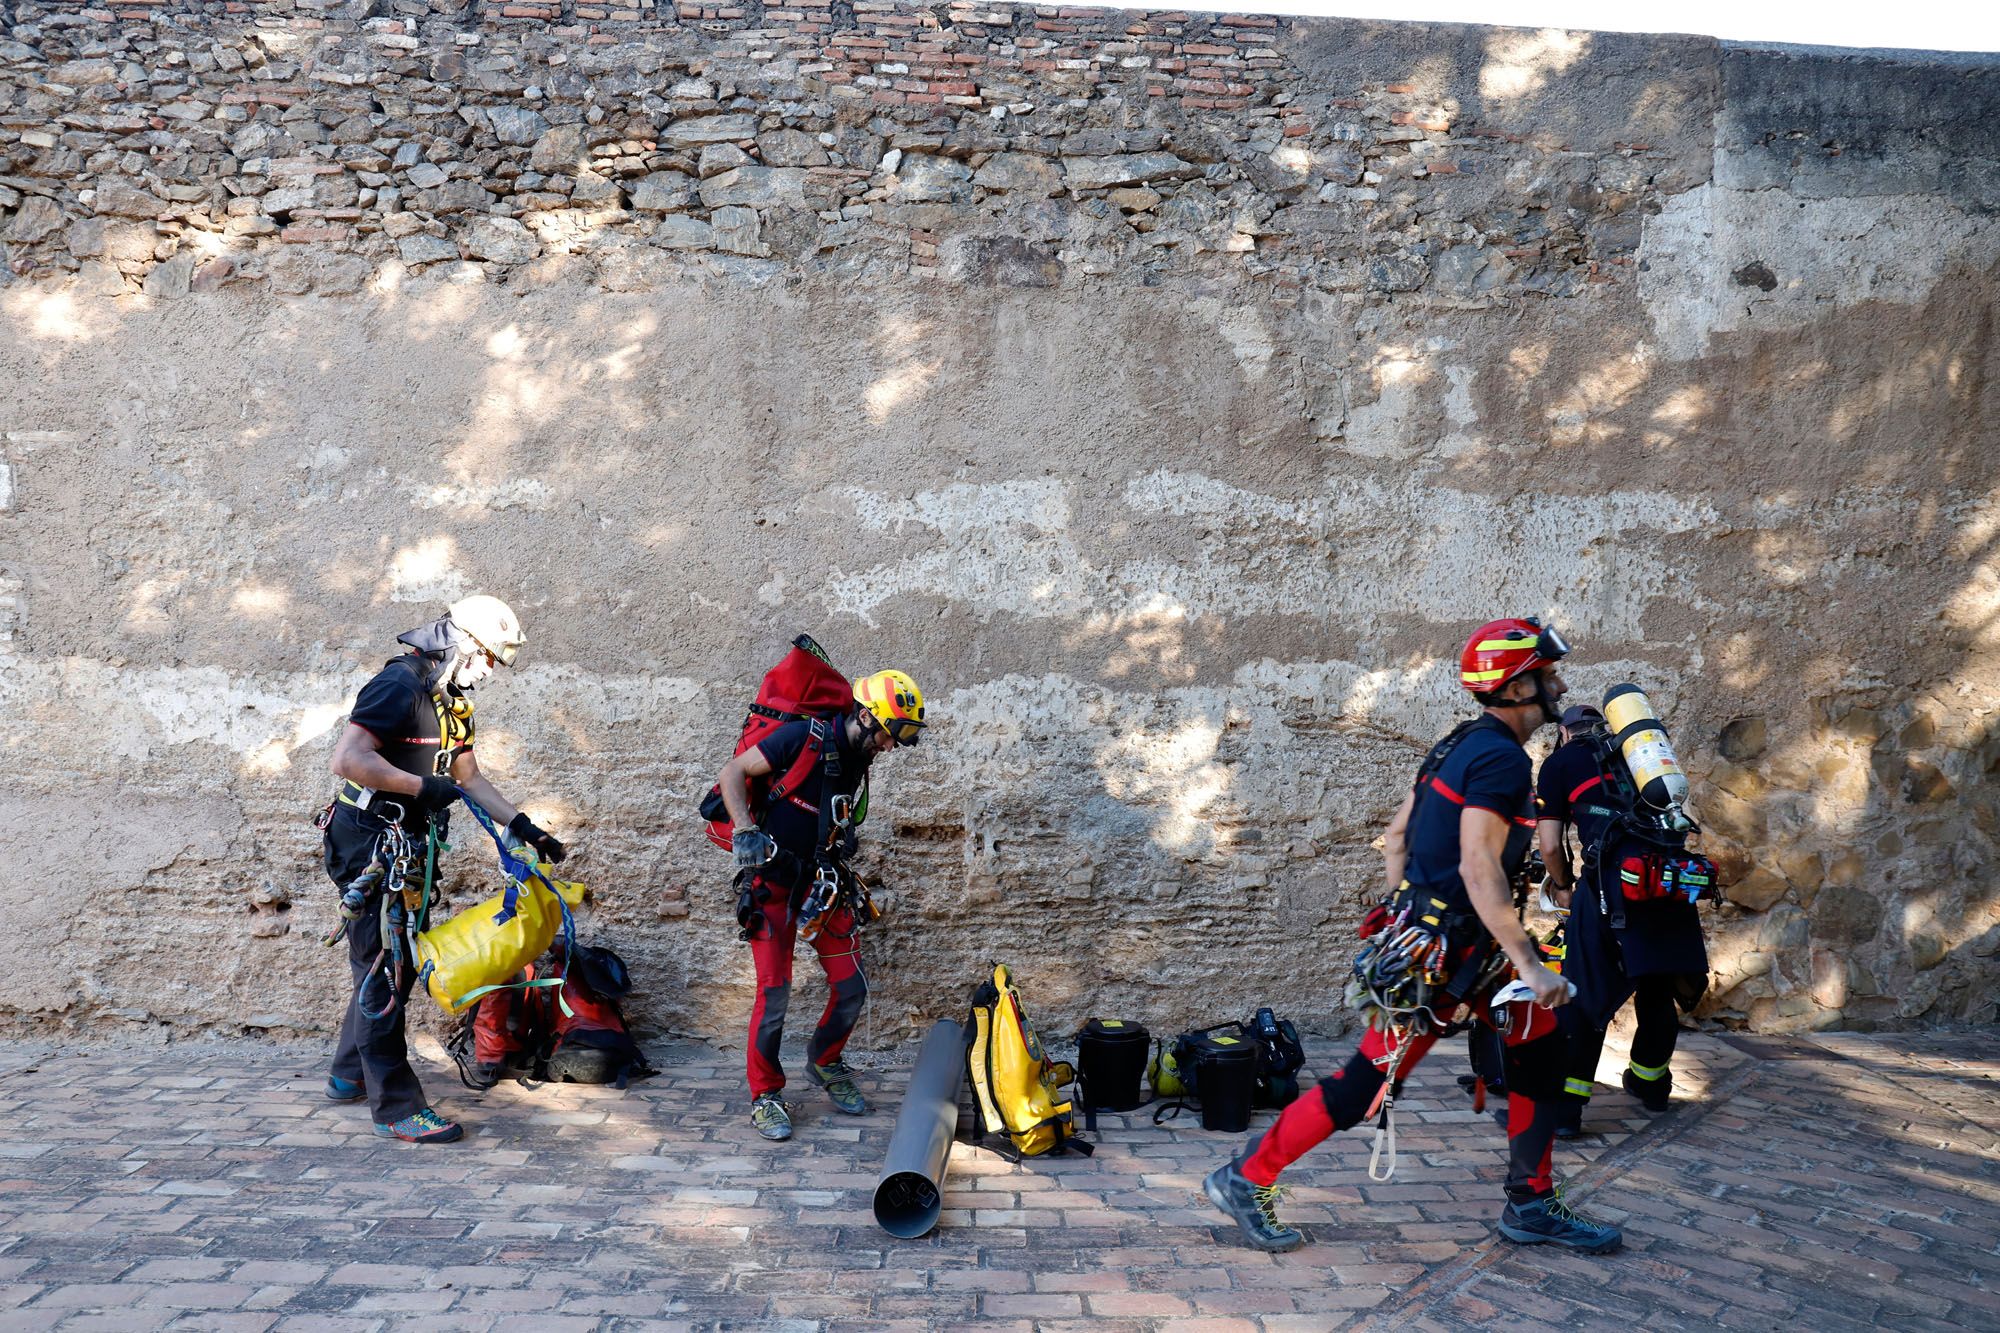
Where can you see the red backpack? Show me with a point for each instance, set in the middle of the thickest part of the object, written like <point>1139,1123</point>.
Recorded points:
<point>502,1036</point>
<point>526,1034</point>
<point>804,687</point>
<point>590,1043</point>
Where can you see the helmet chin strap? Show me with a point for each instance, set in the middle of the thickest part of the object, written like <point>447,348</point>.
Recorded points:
<point>1551,711</point>
<point>1541,698</point>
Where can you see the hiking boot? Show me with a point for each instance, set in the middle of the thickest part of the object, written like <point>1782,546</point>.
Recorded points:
<point>769,1115</point>
<point>1653,1093</point>
<point>838,1080</point>
<point>426,1126</point>
<point>1253,1206</point>
<point>1550,1221</point>
<point>340,1090</point>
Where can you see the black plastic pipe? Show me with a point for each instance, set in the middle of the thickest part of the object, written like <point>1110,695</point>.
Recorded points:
<point>910,1194</point>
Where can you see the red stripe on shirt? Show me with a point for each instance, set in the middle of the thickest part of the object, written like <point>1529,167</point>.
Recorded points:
<point>1586,787</point>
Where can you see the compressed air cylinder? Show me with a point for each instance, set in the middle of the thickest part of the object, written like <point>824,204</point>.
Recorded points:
<point>1642,740</point>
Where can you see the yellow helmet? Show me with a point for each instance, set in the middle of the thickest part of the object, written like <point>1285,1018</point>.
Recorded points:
<point>896,702</point>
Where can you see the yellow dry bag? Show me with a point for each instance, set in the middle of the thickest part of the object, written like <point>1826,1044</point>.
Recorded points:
<point>1015,1088</point>
<point>487,945</point>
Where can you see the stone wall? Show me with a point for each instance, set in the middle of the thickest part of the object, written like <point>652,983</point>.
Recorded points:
<point>1168,392</point>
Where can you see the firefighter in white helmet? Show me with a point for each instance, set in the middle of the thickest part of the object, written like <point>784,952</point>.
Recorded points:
<point>404,757</point>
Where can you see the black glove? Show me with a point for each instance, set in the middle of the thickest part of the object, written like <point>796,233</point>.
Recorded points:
<point>542,841</point>
<point>437,794</point>
<point>753,848</point>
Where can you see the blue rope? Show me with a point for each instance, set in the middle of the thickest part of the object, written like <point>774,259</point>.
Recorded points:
<point>518,873</point>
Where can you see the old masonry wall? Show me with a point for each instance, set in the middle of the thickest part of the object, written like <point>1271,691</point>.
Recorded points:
<point>1169,392</point>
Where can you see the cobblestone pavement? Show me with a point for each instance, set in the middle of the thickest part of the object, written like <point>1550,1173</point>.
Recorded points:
<point>1840,1182</point>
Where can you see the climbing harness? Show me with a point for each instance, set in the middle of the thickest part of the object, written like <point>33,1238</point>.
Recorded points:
<point>1407,972</point>
<point>405,909</point>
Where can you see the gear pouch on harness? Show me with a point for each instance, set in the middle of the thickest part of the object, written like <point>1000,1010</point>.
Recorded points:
<point>1653,877</point>
<point>803,686</point>
<point>1422,953</point>
<point>1014,1085</point>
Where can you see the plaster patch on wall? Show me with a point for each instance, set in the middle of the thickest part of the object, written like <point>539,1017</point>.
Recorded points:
<point>136,710</point>
<point>1460,413</point>
<point>1347,553</point>
<point>1041,503</point>
<point>1249,338</point>
<point>660,701</point>
<point>1387,427</point>
<point>262,719</point>
<point>1162,754</point>
<point>1709,255</point>
<point>527,493</point>
<point>1007,549</point>
<point>1343,554</point>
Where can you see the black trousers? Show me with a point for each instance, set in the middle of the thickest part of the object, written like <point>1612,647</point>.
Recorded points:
<point>373,1052</point>
<point>1653,1041</point>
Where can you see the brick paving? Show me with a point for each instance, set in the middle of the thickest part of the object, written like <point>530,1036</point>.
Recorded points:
<point>1837,1182</point>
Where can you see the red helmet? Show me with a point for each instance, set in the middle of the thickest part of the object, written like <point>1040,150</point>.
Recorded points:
<point>1500,650</point>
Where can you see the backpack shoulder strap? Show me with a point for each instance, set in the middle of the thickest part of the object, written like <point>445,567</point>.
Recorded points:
<point>818,734</point>
<point>1433,761</point>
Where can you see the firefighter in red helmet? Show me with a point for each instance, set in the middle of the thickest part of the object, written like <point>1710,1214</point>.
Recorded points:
<point>1456,842</point>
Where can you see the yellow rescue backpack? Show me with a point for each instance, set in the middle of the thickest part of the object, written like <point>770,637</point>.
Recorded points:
<point>1015,1087</point>
<point>485,946</point>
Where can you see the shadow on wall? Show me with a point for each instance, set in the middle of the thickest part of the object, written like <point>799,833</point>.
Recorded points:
<point>1180,684</point>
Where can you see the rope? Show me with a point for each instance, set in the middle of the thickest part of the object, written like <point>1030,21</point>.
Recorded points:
<point>1385,1124</point>
<point>519,873</point>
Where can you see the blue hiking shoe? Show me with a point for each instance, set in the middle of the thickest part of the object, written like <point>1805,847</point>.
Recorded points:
<point>426,1126</point>
<point>340,1090</point>
<point>1550,1221</point>
<point>1252,1207</point>
<point>838,1080</point>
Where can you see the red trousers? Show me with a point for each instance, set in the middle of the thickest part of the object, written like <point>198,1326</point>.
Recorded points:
<point>839,948</point>
<point>1534,1066</point>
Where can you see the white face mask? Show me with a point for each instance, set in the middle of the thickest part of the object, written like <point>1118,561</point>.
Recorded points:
<point>473,665</point>
<point>471,670</point>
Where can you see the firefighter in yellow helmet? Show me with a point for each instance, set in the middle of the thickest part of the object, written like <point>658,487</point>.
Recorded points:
<point>795,846</point>
<point>403,758</point>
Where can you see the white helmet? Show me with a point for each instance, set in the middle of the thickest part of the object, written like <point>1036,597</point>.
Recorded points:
<point>490,623</point>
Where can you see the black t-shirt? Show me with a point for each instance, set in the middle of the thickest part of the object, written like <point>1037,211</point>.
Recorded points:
<point>1488,769</point>
<point>794,821</point>
<point>1570,788</point>
<point>398,709</point>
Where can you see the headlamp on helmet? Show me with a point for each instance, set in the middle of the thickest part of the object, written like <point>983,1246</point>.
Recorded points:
<point>1501,650</point>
